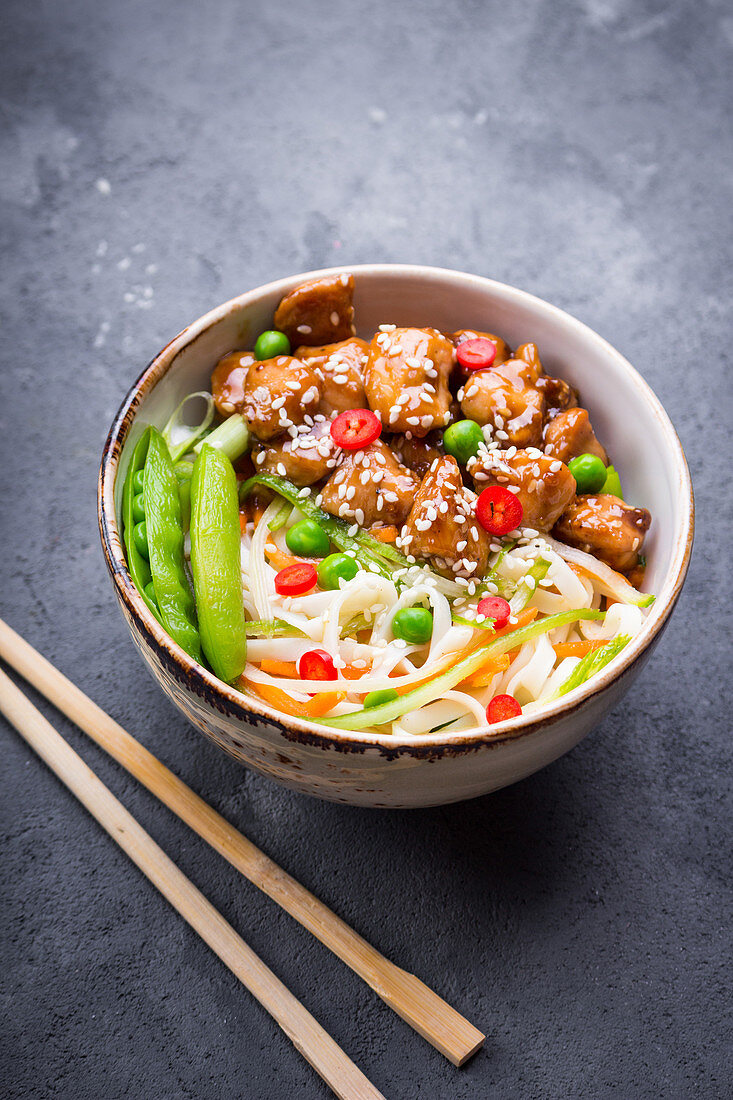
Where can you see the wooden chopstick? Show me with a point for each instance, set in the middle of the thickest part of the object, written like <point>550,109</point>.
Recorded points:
<point>316,1045</point>
<point>415,1002</point>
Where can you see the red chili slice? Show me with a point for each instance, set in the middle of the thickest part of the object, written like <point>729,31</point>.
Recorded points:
<point>498,511</point>
<point>316,664</point>
<point>502,707</point>
<point>494,607</point>
<point>295,580</point>
<point>355,428</point>
<point>477,354</point>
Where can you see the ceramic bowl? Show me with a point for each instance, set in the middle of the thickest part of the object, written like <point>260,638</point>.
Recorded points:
<point>380,770</point>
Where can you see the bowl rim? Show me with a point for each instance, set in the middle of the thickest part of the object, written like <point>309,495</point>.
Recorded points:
<point>233,702</point>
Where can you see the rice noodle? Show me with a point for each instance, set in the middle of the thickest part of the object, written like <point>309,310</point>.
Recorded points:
<point>370,599</point>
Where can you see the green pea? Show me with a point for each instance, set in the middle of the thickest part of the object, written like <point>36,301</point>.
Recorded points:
<point>140,537</point>
<point>335,568</point>
<point>138,507</point>
<point>376,698</point>
<point>612,484</point>
<point>589,473</point>
<point>138,481</point>
<point>462,440</point>
<point>413,625</point>
<point>307,540</point>
<point>150,592</point>
<point>271,343</point>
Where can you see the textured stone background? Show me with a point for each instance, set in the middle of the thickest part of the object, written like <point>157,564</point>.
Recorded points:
<point>156,159</point>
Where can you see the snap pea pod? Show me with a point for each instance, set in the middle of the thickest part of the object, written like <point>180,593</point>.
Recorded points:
<point>165,547</point>
<point>131,504</point>
<point>183,471</point>
<point>216,563</point>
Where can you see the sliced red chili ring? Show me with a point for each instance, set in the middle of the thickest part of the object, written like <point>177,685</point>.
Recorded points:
<point>295,580</point>
<point>498,510</point>
<point>355,428</point>
<point>501,708</point>
<point>316,664</point>
<point>494,607</point>
<point>476,354</point>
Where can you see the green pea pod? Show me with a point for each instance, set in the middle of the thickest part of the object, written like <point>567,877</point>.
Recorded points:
<point>183,475</point>
<point>136,563</point>
<point>165,547</point>
<point>216,563</point>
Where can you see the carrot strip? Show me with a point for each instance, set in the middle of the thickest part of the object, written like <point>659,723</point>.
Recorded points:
<point>312,708</point>
<point>350,673</point>
<point>279,668</point>
<point>486,674</point>
<point>384,534</point>
<point>576,649</point>
<point>278,557</point>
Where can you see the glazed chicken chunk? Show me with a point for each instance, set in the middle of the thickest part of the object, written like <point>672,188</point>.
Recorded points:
<point>340,369</point>
<point>545,486</point>
<point>303,459</point>
<point>318,312</point>
<point>442,525</point>
<point>370,486</point>
<point>278,393</point>
<point>505,396</point>
<point>570,434</point>
<point>605,526</point>
<point>406,379</point>
<point>418,454</point>
<point>228,379</point>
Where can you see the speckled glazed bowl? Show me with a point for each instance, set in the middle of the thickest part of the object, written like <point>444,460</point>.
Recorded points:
<point>380,770</point>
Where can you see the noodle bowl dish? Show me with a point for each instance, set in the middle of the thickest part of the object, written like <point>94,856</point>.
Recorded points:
<point>392,535</point>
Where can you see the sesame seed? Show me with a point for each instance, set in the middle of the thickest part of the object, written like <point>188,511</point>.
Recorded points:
<point>305,329</point>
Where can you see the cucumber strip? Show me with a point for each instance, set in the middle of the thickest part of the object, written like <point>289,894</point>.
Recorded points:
<point>272,628</point>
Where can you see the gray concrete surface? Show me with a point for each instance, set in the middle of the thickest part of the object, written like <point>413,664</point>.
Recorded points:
<point>156,159</point>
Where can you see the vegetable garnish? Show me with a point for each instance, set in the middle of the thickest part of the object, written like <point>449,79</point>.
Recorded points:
<point>296,580</point>
<point>316,664</point>
<point>307,539</point>
<point>477,354</point>
<point>498,510</point>
<point>270,344</point>
<point>272,628</point>
<point>501,708</point>
<point>355,429</point>
<point>495,608</point>
<point>459,670</point>
<point>413,625</point>
<point>590,664</point>
<point>336,568</point>
<point>307,708</point>
<point>376,698</point>
<point>462,440</point>
<point>589,472</point>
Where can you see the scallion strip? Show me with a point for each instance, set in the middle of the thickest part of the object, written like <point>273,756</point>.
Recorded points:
<point>272,628</point>
<point>177,450</point>
<point>434,689</point>
<point>590,664</point>
<point>281,518</point>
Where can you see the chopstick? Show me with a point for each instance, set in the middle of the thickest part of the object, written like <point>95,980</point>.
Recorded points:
<point>314,1043</point>
<point>415,1002</point>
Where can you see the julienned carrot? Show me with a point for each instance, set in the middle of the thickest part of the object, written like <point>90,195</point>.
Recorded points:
<point>384,534</point>
<point>310,708</point>
<point>279,668</point>
<point>350,673</point>
<point>278,557</point>
<point>485,675</point>
<point>577,649</point>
